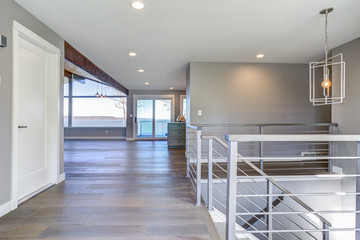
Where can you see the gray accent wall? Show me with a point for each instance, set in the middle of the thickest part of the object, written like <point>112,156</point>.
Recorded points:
<point>232,93</point>
<point>95,133</point>
<point>9,11</point>
<point>130,105</point>
<point>347,114</point>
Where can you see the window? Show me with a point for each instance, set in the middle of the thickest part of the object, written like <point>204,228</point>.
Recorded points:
<point>88,103</point>
<point>183,105</point>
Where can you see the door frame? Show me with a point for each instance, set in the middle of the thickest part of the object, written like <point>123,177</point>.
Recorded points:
<point>52,109</point>
<point>151,97</point>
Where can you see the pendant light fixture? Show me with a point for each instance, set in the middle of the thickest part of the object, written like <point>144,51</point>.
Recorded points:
<point>330,71</point>
<point>97,90</point>
<point>101,95</point>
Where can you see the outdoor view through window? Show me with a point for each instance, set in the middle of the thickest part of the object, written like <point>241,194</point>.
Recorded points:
<point>88,103</point>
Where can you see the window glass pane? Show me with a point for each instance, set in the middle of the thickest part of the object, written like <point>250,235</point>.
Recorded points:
<point>86,87</point>
<point>66,111</point>
<point>66,86</point>
<point>110,91</point>
<point>162,116</point>
<point>99,112</point>
<point>144,118</point>
<point>184,107</point>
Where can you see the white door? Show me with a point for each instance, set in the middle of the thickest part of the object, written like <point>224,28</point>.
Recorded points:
<point>33,163</point>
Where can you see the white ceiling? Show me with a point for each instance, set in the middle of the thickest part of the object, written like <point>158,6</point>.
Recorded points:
<point>168,34</point>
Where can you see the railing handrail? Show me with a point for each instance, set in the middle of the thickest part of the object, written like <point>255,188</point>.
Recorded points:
<point>292,137</point>
<point>200,126</point>
<point>283,189</point>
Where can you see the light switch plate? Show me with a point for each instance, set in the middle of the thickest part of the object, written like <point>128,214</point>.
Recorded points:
<point>199,113</point>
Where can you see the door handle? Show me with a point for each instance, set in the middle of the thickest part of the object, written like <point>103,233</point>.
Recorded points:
<point>22,126</point>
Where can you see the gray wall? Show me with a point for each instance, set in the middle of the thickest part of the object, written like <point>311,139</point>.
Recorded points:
<point>251,93</point>
<point>9,11</point>
<point>95,133</point>
<point>130,106</point>
<point>347,114</point>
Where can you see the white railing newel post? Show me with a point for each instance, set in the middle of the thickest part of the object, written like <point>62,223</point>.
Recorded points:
<point>198,167</point>
<point>357,218</point>
<point>210,182</point>
<point>270,209</point>
<point>231,191</point>
<point>187,153</point>
<point>330,149</point>
<point>261,150</point>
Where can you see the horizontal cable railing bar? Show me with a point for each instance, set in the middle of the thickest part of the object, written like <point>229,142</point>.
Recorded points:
<point>302,230</point>
<point>291,138</point>
<point>300,158</point>
<point>339,194</point>
<point>200,126</point>
<point>319,176</point>
<point>299,212</point>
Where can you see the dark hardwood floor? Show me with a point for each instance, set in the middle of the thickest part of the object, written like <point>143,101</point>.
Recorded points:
<point>114,190</point>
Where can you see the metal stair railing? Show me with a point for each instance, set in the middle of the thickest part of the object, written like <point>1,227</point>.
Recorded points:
<point>195,153</point>
<point>232,180</point>
<point>256,217</point>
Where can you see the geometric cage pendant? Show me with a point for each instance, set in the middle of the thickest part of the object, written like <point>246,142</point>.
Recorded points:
<point>327,81</point>
<point>327,78</point>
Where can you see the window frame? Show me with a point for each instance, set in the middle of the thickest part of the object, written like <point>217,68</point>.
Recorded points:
<point>70,98</point>
<point>182,97</point>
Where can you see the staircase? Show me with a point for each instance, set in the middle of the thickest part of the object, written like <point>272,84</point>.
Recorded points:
<point>244,191</point>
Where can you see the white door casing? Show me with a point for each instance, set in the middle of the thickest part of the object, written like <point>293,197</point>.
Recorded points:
<point>36,105</point>
<point>151,97</point>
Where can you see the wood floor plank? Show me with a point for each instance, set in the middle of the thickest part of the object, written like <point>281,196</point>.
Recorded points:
<point>114,190</point>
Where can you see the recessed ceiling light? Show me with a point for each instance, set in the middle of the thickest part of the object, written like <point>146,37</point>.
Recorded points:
<point>260,55</point>
<point>132,54</point>
<point>171,88</point>
<point>137,5</point>
<point>141,70</point>
<point>147,83</point>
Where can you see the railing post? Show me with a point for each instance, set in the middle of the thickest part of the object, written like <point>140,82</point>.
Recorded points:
<point>325,233</point>
<point>187,153</point>
<point>270,209</point>
<point>261,149</point>
<point>198,167</point>
<point>357,219</point>
<point>330,150</point>
<point>231,191</point>
<point>210,182</point>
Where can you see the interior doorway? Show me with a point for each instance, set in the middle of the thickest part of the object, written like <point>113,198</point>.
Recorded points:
<point>36,130</point>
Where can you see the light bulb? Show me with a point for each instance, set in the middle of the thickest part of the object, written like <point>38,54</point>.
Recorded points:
<point>326,83</point>
<point>97,94</point>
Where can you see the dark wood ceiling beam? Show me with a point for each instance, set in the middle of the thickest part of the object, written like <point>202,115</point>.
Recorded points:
<point>67,73</point>
<point>74,56</point>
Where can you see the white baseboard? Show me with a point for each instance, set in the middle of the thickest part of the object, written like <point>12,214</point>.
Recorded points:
<point>130,139</point>
<point>61,178</point>
<point>5,208</point>
<point>95,138</point>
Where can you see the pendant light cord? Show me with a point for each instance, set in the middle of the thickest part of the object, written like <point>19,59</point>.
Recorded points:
<point>326,38</point>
